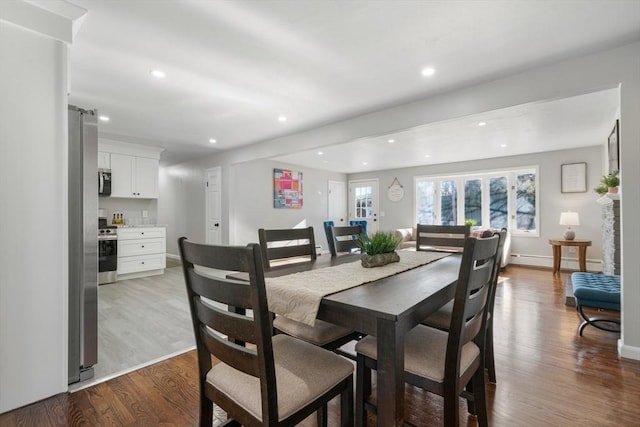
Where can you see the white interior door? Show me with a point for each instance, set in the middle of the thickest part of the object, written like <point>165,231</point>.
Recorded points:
<point>213,201</point>
<point>337,204</point>
<point>363,202</point>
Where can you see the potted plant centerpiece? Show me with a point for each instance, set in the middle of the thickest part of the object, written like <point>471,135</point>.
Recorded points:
<point>379,248</point>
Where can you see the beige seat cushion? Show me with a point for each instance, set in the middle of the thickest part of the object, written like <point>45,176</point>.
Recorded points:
<point>424,352</point>
<point>320,334</point>
<point>441,319</point>
<point>304,372</point>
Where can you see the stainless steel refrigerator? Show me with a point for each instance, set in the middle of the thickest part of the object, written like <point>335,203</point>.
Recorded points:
<point>83,243</point>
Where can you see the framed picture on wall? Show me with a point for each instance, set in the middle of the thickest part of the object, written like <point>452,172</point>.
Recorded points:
<point>573,178</point>
<point>287,189</point>
<point>614,150</point>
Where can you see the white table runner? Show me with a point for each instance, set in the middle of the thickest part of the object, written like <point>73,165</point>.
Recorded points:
<point>297,296</point>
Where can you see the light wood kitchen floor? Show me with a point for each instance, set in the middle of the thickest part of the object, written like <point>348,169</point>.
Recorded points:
<point>140,322</point>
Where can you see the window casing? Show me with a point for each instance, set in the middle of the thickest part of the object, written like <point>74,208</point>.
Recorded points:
<point>496,199</point>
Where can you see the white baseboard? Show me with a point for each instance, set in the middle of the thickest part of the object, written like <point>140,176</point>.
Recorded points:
<point>627,351</point>
<point>172,256</point>
<point>547,262</point>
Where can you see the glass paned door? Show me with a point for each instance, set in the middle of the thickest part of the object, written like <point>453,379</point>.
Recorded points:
<point>363,203</point>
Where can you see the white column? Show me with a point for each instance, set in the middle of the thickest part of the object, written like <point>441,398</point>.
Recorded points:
<point>33,190</point>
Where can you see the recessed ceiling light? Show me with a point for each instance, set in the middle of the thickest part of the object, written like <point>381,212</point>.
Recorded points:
<point>320,153</point>
<point>364,163</point>
<point>428,71</point>
<point>391,141</point>
<point>104,118</point>
<point>282,119</point>
<point>426,156</point>
<point>503,145</point>
<point>158,74</point>
<point>212,141</point>
<point>482,124</point>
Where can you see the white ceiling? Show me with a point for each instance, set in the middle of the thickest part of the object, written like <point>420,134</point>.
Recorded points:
<point>232,67</point>
<point>579,121</point>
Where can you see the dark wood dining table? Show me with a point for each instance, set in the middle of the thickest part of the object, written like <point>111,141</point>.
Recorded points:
<point>386,308</point>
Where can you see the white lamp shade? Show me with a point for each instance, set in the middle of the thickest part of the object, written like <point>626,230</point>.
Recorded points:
<point>569,218</point>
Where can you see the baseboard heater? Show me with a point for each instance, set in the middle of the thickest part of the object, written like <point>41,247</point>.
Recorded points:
<point>547,262</point>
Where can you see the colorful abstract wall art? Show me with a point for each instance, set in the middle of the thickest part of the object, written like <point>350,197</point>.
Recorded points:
<point>287,189</point>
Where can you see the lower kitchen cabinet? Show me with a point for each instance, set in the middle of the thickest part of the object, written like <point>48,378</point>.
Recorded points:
<point>141,251</point>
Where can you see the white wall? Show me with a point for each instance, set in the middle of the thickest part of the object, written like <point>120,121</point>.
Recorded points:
<point>252,201</point>
<point>552,201</point>
<point>181,205</point>
<point>249,201</point>
<point>33,190</point>
<point>608,69</point>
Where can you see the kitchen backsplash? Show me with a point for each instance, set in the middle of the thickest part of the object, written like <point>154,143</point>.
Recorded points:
<point>132,210</point>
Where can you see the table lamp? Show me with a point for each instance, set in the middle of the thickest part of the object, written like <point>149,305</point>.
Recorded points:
<point>569,219</point>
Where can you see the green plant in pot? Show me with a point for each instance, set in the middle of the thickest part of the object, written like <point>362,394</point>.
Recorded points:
<point>379,248</point>
<point>610,182</point>
<point>470,222</point>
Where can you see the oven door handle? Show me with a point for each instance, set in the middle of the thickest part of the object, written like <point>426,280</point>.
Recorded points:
<point>101,238</point>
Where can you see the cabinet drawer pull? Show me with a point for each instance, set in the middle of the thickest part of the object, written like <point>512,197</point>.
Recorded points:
<point>143,246</point>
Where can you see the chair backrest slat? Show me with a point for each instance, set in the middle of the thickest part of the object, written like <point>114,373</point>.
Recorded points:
<point>235,326</point>
<point>237,356</point>
<point>224,291</point>
<point>343,238</point>
<point>448,237</point>
<point>281,244</point>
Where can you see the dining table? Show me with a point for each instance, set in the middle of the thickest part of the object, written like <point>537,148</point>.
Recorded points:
<point>386,308</point>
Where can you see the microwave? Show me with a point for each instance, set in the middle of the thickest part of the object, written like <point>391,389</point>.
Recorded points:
<point>104,182</point>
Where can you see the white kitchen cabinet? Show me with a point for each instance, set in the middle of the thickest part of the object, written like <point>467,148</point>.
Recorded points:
<point>134,177</point>
<point>141,251</point>
<point>104,160</point>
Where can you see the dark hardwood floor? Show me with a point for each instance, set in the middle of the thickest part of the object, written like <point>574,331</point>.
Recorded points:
<point>547,375</point>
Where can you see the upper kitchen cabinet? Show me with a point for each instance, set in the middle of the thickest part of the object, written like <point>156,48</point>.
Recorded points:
<point>134,169</point>
<point>135,177</point>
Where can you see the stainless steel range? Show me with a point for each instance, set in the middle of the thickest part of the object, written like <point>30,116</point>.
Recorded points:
<point>107,254</point>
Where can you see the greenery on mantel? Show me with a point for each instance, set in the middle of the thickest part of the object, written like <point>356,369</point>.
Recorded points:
<point>608,182</point>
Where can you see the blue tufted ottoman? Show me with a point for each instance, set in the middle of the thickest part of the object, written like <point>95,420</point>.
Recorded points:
<point>597,291</point>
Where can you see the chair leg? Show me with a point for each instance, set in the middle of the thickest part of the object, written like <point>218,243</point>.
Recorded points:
<point>206,411</point>
<point>451,412</point>
<point>479,397</point>
<point>346,404</point>
<point>489,361</point>
<point>471,406</point>
<point>362,388</point>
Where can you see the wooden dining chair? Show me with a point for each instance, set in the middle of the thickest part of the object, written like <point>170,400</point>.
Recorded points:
<point>441,319</point>
<point>441,237</point>
<point>300,245</point>
<point>343,238</point>
<point>447,364</point>
<point>260,380</point>
<point>287,245</point>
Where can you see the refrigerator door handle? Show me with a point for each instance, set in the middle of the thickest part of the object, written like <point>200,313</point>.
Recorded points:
<point>100,183</point>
